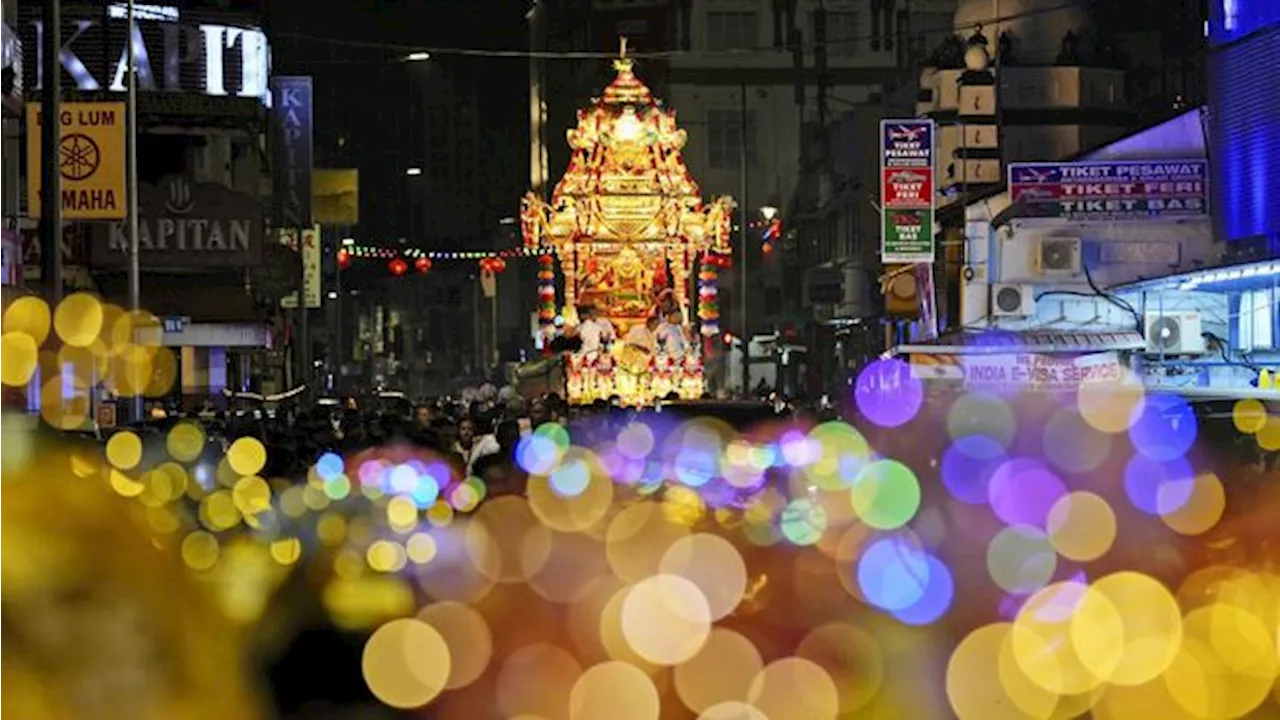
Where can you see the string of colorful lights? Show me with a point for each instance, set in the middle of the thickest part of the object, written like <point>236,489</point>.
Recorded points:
<point>383,252</point>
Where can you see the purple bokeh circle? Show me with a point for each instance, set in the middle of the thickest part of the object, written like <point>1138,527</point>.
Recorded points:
<point>968,466</point>
<point>887,394</point>
<point>1022,491</point>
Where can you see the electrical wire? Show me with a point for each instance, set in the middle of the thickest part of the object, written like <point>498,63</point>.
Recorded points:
<point>402,50</point>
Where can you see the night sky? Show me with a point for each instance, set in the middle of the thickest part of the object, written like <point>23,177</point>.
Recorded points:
<point>366,116</point>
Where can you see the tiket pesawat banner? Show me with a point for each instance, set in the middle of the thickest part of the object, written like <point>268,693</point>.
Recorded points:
<point>1128,190</point>
<point>906,191</point>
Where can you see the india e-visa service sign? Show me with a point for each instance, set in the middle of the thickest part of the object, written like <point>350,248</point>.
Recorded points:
<point>906,191</point>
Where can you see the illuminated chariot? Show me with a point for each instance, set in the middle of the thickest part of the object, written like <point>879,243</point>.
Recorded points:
<point>628,229</point>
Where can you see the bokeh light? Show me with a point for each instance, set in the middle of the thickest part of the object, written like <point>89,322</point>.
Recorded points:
<point>406,663</point>
<point>887,393</point>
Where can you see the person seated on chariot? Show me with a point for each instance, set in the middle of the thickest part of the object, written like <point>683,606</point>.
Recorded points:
<point>643,335</point>
<point>596,333</point>
<point>671,334</point>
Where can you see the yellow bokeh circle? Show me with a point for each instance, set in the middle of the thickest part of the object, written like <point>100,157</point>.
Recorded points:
<point>21,357</point>
<point>247,456</point>
<point>1081,526</point>
<point>1249,415</point>
<point>78,319</point>
<point>124,450</point>
<point>406,663</point>
<point>1067,638</point>
<point>1151,635</point>
<point>29,316</point>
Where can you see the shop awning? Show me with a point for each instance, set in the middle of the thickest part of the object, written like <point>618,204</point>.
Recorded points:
<point>204,298</point>
<point>998,342</point>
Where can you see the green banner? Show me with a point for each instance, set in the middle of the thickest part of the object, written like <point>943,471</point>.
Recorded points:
<point>908,236</point>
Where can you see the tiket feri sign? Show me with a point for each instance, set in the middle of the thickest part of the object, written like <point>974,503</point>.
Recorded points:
<point>90,160</point>
<point>1122,190</point>
<point>906,191</point>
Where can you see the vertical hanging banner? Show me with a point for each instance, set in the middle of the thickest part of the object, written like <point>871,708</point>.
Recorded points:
<point>309,249</point>
<point>291,151</point>
<point>906,191</point>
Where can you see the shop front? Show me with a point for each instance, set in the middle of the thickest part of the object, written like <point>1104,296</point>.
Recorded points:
<point>1006,363</point>
<point>1212,329</point>
<point>197,245</point>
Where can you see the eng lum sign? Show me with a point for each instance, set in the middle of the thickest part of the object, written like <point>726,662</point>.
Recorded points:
<point>90,160</point>
<point>906,191</point>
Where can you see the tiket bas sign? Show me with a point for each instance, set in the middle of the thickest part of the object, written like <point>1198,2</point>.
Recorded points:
<point>906,191</point>
<point>291,151</point>
<point>172,53</point>
<point>1111,190</point>
<point>184,224</point>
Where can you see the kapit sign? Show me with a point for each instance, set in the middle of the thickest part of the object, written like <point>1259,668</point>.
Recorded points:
<point>171,53</point>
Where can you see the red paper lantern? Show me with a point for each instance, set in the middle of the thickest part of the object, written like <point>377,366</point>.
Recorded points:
<point>398,267</point>
<point>344,258</point>
<point>422,264</point>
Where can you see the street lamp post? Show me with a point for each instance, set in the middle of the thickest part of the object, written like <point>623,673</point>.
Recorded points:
<point>131,171</point>
<point>50,138</point>
<point>744,332</point>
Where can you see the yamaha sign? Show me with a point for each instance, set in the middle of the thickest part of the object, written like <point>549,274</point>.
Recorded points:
<point>175,51</point>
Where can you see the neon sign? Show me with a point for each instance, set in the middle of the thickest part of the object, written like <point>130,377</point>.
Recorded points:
<point>164,13</point>
<point>211,59</point>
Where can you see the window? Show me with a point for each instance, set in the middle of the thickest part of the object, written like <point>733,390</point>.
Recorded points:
<point>1256,322</point>
<point>732,30</point>
<point>843,32</point>
<point>724,139</point>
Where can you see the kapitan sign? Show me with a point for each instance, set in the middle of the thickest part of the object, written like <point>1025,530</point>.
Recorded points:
<point>185,224</point>
<point>291,152</point>
<point>174,51</point>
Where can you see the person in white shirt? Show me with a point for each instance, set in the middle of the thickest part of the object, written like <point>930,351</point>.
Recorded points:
<point>671,334</point>
<point>594,332</point>
<point>642,335</point>
<point>472,447</point>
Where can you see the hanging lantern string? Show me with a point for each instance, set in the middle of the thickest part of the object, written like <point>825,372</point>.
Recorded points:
<point>382,252</point>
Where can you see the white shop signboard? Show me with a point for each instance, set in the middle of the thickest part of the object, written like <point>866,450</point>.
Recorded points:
<point>1022,372</point>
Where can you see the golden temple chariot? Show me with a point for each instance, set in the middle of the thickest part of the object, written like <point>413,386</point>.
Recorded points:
<point>628,225</point>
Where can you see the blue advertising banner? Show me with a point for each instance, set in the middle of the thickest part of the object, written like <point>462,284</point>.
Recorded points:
<point>906,191</point>
<point>291,151</point>
<point>1128,190</point>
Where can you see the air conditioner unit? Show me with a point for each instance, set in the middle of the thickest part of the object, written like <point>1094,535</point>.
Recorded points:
<point>1013,300</point>
<point>1058,257</point>
<point>1174,333</point>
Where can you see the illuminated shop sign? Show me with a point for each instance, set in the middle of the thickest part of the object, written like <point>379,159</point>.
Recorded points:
<point>172,53</point>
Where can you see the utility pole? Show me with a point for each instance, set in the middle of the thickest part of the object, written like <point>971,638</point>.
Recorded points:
<point>131,171</point>
<point>50,168</point>
<point>537,19</point>
<point>744,216</point>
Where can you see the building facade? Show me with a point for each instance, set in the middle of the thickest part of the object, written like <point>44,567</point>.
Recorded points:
<point>202,77</point>
<point>757,82</point>
<point>10,157</point>
<point>1245,58</point>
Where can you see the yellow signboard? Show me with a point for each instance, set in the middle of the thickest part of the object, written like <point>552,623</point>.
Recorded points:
<point>90,157</point>
<point>335,196</point>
